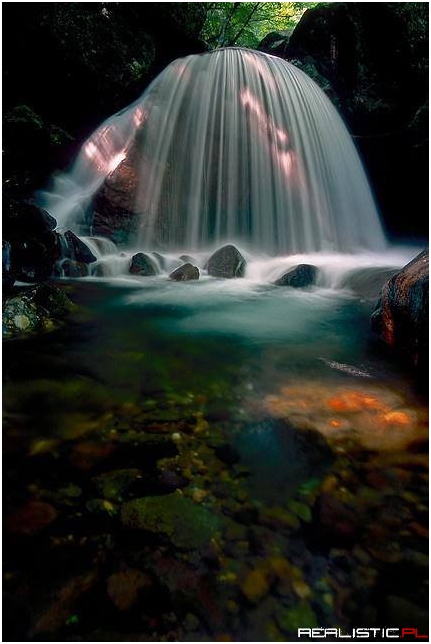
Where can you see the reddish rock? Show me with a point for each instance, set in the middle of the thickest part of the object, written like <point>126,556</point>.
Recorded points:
<point>401,317</point>
<point>31,518</point>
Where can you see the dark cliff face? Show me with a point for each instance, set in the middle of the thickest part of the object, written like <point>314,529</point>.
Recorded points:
<point>67,66</point>
<point>372,60</point>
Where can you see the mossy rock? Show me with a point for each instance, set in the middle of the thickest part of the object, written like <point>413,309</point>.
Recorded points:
<point>186,524</point>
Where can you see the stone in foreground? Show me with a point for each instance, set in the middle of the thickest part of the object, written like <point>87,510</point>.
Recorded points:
<point>184,523</point>
<point>298,277</point>
<point>185,273</point>
<point>227,262</point>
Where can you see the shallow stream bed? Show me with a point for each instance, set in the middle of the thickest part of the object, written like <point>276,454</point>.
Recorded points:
<point>220,460</point>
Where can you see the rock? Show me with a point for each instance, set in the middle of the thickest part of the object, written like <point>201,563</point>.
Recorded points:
<point>37,308</point>
<point>142,264</point>
<point>185,273</point>
<point>111,485</point>
<point>401,317</point>
<point>256,584</point>
<point>78,250</point>
<point>31,518</point>
<point>298,277</point>
<point>226,262</point>
<point>184,523</point>
<point>300,616</point>
<point>124,587</point>
<point>70,268</point>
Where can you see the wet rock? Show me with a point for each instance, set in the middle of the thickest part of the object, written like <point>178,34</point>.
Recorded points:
<point>31,518</point>
<point>37,308</point>
<point>88,454</point>
<point>184,273</point>
<point>70,268</point>
<point>112,484</point>
<point>227,262</point>
<point>298,277</point>
<point>401,317</point>
<point>125,587</point>
<point>171,481</point>
<point>143,264</point>
<point>184,523</point>
<point>78,250</point>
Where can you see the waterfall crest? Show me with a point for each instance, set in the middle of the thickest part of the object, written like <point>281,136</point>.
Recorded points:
<point>232,145</point>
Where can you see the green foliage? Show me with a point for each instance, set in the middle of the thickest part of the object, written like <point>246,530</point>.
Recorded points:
<point>247,23</point>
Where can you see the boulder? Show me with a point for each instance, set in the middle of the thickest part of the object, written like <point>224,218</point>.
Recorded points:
<point>184,273</point>
<point>227,262</point>
<point>34,309</point>
<point>23,219</point>
<point>298,277</point>
<point>401,317</point>
<point>33,258</point>
<point>77,249</point>
<point>143,264</point>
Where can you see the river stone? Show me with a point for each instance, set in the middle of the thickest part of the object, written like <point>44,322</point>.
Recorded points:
<point>185,273</point>
<point>227,262</point>
<point>298,277</point>
<point>143,264</point>
<point>186,524</point>
<point>77,249</point>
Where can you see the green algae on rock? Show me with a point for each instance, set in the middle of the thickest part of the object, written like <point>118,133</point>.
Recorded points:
<point>186,524</point>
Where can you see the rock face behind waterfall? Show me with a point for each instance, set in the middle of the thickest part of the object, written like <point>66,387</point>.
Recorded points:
<point>226,262</point>
<point>401,318</point>
<point>114,214</point>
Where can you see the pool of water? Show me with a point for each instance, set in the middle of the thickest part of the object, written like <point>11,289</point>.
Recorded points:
<point>220,460</point>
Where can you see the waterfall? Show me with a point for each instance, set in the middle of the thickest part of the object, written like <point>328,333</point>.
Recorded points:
<point>232,145</point>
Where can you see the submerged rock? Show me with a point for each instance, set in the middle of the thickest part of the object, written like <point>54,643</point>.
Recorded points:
<point>184,523</point>
<point>185,273</point>
<point>227,262</point>
<point>298,277</point>
<point>401,317</point>
<point>143,264</point>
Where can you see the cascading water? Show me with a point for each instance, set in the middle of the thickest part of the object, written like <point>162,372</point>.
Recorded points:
<point>233,145</point>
